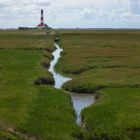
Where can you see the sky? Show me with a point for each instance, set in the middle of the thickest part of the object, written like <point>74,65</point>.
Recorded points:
<point>71,13</point>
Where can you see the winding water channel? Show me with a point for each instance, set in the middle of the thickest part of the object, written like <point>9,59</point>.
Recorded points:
<point>80,101</point>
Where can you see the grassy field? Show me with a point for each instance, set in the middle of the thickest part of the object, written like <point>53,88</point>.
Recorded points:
<point>101,62</point>
<point>33,110</point>
<point>102,59</point>
<point>106,63</point>
<point>115,115</point>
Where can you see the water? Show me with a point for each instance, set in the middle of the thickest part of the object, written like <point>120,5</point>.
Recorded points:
<point>80,101</point>
<point>59,79</point>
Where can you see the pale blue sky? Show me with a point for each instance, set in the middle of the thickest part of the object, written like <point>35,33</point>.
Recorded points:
<point>71,13</point>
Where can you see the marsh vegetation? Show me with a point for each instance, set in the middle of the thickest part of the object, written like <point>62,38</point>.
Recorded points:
<point>38,111</point>
<point>105,63</point>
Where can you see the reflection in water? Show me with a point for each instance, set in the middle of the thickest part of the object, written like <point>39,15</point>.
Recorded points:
<point>59,79</point>
<point>80,101</point>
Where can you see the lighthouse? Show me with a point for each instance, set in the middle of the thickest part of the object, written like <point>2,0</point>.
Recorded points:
<point>42,25</point>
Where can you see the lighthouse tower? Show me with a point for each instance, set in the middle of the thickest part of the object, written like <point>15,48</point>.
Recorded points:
<point>42,25</point>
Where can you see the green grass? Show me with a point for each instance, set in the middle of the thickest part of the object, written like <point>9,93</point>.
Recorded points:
<point>39,111</point>
<point>103,62</point>
<point>17,80</point>
<point>106,63</point>
<point>54,116</point>
<point>22,39</point>
<point>101,58</point>
<point>116,115</point>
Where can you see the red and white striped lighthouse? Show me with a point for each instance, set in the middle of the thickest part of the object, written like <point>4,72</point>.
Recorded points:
<point>42,17</point>
<point>42,24</point>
